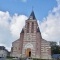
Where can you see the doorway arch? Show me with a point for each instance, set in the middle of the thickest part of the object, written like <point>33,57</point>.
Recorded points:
<point>28,52</point>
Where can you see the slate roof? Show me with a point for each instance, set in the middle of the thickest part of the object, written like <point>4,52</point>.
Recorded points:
<point>32,16</point>
<point>3,48</point>
<point>22,31</point>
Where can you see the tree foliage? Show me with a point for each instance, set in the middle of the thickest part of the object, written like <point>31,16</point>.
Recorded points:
<point>55,49</point>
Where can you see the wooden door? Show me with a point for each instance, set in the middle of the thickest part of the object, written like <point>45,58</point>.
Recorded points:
<point>28,52</point>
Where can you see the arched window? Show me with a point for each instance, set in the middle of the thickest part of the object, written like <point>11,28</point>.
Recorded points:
<point>32,28</point>
<point>27,27</point>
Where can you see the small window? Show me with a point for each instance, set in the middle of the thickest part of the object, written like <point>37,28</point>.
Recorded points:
<point>32,28</point>
<point>27,27</point>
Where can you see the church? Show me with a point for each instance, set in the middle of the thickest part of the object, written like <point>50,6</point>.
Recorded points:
<point>31,44</point>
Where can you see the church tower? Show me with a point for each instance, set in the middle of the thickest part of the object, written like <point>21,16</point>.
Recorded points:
<point>30,37</point>
<point>31,43</point>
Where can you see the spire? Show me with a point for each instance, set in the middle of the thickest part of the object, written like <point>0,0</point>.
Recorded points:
<point>32,16</point>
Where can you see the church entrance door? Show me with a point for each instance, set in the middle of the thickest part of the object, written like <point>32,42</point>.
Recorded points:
<point>28,52</point>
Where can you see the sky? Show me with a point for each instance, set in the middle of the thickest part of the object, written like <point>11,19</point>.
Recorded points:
<point>13,14</point>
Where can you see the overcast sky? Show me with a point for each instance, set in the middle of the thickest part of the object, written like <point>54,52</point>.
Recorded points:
<point>13,14</point>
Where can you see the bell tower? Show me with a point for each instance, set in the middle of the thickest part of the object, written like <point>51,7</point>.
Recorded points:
<point>30,31</point>
<point>31,24</point>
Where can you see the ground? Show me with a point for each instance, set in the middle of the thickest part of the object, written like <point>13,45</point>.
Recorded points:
<point>26,59</point>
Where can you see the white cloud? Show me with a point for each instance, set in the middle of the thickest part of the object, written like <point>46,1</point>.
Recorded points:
<point>5,36</point>
<point>4,18</point>
<point>50,27</point>
<point>17,24</point>
<point>58,1</point>
<point>10,28</point>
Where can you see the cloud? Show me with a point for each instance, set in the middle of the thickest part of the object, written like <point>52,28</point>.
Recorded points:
<point>50,26</point>
<point>5,36</point>
<point>58,1</point>
<point>18,22</point>
<point>4,18</point>
<point>10,28</point>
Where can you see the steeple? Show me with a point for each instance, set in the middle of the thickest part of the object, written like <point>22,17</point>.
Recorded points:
<point>32,16</point>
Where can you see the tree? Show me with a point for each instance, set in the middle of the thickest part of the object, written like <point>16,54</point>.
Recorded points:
<point>55,49</point>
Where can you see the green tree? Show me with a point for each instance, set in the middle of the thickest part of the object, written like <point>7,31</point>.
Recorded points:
<point>55,49</point>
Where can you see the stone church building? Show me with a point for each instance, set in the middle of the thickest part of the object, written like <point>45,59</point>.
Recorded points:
<point>31,43</point>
